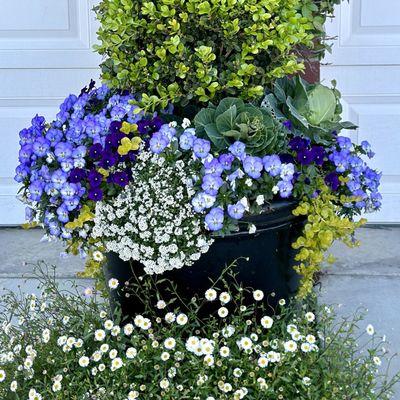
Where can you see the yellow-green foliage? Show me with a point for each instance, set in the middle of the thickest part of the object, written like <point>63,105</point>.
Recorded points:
<point>324,225</point>
<point>201,50</point>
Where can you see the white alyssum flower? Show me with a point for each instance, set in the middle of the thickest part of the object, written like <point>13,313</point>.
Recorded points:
<point>141,222</point>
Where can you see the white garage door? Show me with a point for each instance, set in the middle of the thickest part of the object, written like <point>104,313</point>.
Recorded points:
<point>366,63</point>
<point>45,54</point>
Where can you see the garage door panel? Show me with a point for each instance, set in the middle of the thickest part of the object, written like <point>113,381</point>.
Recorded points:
<point>45,54</point>
<point>366,64</point>
<point>367,32</point>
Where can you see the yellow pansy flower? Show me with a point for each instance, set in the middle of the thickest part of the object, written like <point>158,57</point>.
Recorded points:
<point>128,128</point>
<point>128,144</point>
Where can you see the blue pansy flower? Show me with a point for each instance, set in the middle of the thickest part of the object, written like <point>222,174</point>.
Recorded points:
<point>253,166</point>
<point>272,164</point>
<point>236,211</point>
<point>211,184</point>
<point>158,142</point>
<point>187,138</point>
<point>285,188</point>
<point>201,148</point>
<point>215,219</point>
<point>237,149</point>
<point>202,201</point>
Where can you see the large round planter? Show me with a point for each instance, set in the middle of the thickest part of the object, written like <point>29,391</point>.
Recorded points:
<point>265,261</point>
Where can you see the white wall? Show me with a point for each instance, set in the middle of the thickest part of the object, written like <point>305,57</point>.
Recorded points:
<point>366,64</point>
<point>45,54</point>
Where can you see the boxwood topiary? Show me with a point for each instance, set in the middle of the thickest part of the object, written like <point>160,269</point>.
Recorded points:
<point>195,51</point>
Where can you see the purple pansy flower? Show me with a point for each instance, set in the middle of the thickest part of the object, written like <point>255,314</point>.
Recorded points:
<point>187,138</point>
<point>285,189</point>
<point>63,151</point>
<point>332,180</point>
<point>95,178</point>
<point>77,175</point>
<point>96,151</point>
<point>213,167</point>
<point>120,178</point>
<point>108,159</point>
<point>202,201</point>
<point>41,146</point>
<point>298,143</point>
<point>95,194</point>
<point>318,154</point>
<point>226,161</point>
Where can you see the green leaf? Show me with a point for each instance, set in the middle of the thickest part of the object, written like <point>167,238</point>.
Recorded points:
<point>227,103</point>
<point>235,134</point>
<point>295,114</point>
<point>321,104</point>
<point>204,117</point>
<point>226,120</point>
<point>218,140</point>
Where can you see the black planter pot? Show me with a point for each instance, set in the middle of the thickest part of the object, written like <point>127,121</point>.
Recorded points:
<point>269,267</point>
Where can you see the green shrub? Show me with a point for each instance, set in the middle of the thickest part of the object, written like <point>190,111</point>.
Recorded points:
<point>199,50</point>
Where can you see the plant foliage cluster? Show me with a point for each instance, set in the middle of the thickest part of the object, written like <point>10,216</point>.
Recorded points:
<point>185,51</point>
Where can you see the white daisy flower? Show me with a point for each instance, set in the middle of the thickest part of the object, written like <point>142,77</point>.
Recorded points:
<point>182,319</point>
<point>113,283</point>
<point>370,329</point>
<point>310,317</point>
<point>224,297</point>
<point>98,256</point>
<point>290,346</point>
<point>258,295</point>
<point>262,362</point>
<point>267,322</point>
<point>224,351</point>
<point>211,294</point>
<point>84,361</point>
<point>131,352</point>
<point>169,343</point>
<point>223,312</point>
<point>99,335</point>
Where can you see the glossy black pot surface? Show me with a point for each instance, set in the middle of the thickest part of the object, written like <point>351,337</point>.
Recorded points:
<point>269,266</point>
